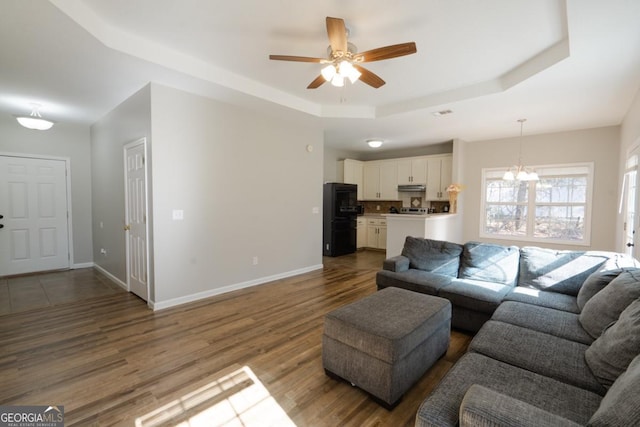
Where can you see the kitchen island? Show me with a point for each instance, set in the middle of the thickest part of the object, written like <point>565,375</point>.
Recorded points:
<point>444,226</point>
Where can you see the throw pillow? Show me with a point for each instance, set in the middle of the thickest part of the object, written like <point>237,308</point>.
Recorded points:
<point>489,262</point>
<point>609,356</point>
<point>556,271</point>
<point>435,256</point>
<point>605,306</point>
<point>594,284</point>
<point>620,407</point>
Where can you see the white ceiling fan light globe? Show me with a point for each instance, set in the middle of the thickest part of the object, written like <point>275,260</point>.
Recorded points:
<point>337,80</point>
<point>328,72</point>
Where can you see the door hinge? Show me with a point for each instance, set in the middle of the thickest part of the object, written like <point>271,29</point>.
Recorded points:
<point>143,160</point>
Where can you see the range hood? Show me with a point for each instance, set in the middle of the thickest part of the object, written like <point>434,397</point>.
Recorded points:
<point>416,188</point>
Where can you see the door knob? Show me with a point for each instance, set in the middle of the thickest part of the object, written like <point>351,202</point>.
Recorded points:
<point>629,245</point>
<point>127,227</point>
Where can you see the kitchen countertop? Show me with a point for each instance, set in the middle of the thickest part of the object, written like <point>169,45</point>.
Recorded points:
<point>442,214</point>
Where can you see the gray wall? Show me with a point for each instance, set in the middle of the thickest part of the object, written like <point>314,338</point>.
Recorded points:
<point>598,145</point>
<point>129,121</point>
<point>247,186</point>
<point>63,140</point>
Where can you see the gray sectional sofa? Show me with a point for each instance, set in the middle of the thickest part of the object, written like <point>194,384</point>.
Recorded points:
<point>558,333</point>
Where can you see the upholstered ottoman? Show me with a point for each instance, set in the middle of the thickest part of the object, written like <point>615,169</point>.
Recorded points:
<point>385,342</point>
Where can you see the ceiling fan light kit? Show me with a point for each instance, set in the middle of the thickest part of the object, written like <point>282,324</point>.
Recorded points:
<point>343,60</point>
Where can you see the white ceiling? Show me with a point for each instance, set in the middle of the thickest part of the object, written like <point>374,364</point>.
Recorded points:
<point>561,64</point>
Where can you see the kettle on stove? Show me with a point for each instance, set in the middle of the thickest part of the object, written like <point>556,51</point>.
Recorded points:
<point>393,209</point>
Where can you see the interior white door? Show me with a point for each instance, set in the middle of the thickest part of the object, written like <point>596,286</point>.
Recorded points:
<point>631,199</point>
<point>136,215</point>
<point>33,205</point>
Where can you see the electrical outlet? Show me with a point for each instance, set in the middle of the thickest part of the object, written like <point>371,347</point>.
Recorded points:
<point>103,251</point>
<point>377,207</point>
<point>255,260</point>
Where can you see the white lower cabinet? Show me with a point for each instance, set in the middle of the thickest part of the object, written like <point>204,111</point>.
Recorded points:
<point>377,233</point>
<point>361,236</point>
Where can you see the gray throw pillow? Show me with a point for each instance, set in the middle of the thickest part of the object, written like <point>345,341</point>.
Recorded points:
<point>490,263</point>
<point>435,256</point>
<point>605,306</point>
<point>594,284</point>
<point>621,405</point>
<point>609,356</point>
<point>557,271</point>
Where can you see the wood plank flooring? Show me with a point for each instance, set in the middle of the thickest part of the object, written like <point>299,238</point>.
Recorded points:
<point>245,358</point>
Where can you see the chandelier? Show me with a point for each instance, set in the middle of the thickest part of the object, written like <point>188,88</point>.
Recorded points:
<point>519,172</point>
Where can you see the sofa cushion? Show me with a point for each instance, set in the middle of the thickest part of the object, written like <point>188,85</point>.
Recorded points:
<point>605,306</point>
<point>413,280</point>
<point>559,323</point>
<point>537,352</point>
<point>490,263</point>
<point>621,406</point>
<point>483,406</point>
<point>594,284</point>
<point>610,355</point>
<point>442,406</point>
<point>475,294</point>
<point>557,271</point>
<point>543,299</point>
<point>435,256</point>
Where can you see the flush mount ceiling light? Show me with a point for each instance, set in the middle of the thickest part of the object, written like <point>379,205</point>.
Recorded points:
<point>35,120</point>
<point>374,143</point>
<point>520,172</point>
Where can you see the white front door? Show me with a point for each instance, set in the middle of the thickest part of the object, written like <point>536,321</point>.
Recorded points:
<point>136,215</point>
<point>33,205</point>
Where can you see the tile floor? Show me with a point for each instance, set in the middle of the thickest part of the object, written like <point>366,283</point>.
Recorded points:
<point>22,293</point>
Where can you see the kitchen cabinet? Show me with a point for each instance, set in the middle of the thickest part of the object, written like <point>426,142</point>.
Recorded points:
<point>438,177</point>
<point>361,236</point>
<point>412,171</point>
<point>352,170</point>
<point>380,180</point>
<point>377,233</point>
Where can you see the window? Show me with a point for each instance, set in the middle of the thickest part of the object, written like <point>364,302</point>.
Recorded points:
<point>554,209</point>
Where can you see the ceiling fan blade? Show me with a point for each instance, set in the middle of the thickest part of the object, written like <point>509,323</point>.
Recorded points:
<point>294,58</point>
<point>317,82</point>
<point>388,52</point>
<point>369,78</point>
<point>337,33</point>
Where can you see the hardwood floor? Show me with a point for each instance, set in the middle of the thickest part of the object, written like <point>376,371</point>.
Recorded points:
<point>250,357</point>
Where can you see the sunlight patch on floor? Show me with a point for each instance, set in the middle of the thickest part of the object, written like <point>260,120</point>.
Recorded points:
<point>233,399</point>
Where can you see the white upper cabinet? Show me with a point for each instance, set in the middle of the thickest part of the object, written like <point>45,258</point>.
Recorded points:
<point>353,174</point>
<point>438,177</point>
<point>412,171</point>
<point>380,180</point>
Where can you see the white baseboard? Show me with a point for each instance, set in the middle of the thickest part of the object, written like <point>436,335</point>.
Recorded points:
<point>161,305</point>
<point>82,265</point>
<point>112,277</point>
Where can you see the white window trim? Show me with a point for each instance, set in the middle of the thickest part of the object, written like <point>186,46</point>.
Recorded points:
<point>586,241</point>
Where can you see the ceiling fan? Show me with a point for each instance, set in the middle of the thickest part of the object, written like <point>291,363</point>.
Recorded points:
<point>343,61</point>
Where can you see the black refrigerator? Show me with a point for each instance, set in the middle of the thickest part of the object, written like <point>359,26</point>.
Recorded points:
<point>340,208</point>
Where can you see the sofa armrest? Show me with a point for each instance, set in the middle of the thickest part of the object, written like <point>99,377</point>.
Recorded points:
<point>484,407</point>
<point>397,263</point>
